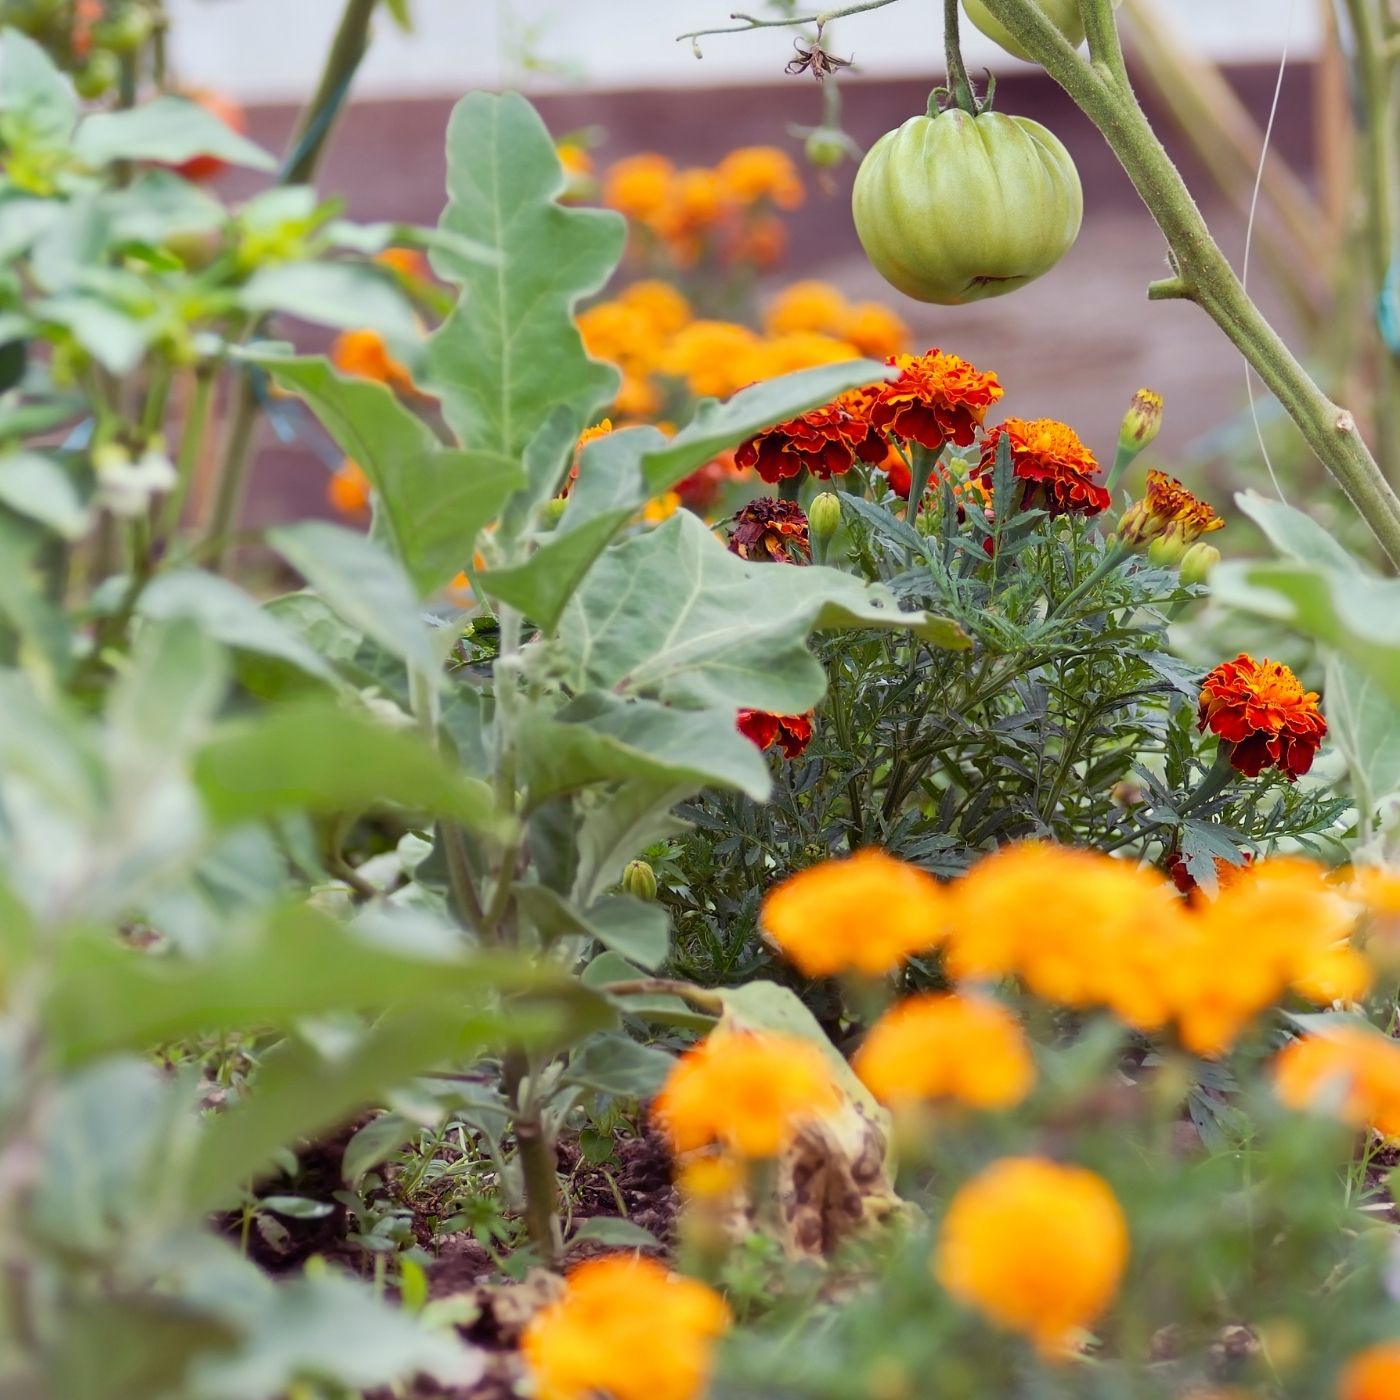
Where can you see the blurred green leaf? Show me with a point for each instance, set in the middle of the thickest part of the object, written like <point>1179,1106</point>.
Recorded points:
<point>39,487</point>
<point>616,1064</point>
<point>1364,723</point>
<point>343,295</point>
<point>34,91</point>
<point>168,129</point>
<point>376,1142</point>
<point>1296,534</point>
<point>509,352</point>
<point>635,929</point>
<point>615,1233</point>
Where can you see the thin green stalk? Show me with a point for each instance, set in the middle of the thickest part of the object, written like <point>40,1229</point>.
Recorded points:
<point>192,438</point>
<point>958,82</point>
<point>1203,273</point>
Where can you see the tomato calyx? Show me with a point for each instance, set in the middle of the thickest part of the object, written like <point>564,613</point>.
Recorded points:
<point>942,98</point>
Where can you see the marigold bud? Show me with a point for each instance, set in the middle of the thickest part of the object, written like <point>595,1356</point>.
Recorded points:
<point>639,880</point>
<point>1167,550</point>
<point>1198,561</point>
<point>1141,423</point>
<point>824,516</point>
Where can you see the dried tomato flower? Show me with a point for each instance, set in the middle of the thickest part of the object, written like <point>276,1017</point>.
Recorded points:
<point>937,399</point>
<point>1261,710</point>
<point>791,733</point>
<point>1058,469</point>
<point>769,529</point>
<point>824,442</point>
<point>749,1091</point>
<point>1170,511</point>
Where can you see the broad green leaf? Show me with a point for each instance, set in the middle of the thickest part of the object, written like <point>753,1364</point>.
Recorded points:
<point>376,1142</point>
<point>601,737</point>
<point>361,582</point>
<point>374,238</point>
<point>674,616</point>
<point>343,295</point>
<point>1364,723</point>
<point>1297,535</point>
<point>636,929</point>
<point>631,818</point>
<point>430,503</point>
<point>318,757</point>
<point>616,1233</point>
<point>159,205</point>
<point>164,703</point>
<point>616,1064</point>
<point>169,129</point>
<point>22,221</point>
<point>33,90</point>
<point>510,353</point>
<point>46,744</point>
<point>229,615</point>
<point>117,341</point>
<point>37,486</point>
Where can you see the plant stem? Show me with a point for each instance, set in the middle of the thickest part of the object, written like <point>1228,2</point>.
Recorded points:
<point>793,21</point>
<point>1203,273</point>
<point>233,470</point>
<point>958,82</point>
<point>537,1163</point>
<point>191,448</point>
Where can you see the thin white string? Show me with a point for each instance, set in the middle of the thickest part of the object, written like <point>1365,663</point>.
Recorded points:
<point>1249,241</point>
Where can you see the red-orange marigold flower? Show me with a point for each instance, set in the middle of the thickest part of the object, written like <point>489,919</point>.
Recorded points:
<point>791,733</point>
<point>1168,508</point>
<point>348,490</point>
<point>365,355</point>
<point>1055,465</point>
<point>824,442</point>
<point>768,529</point>
<point>1262,711</point>
<point>937,399</point>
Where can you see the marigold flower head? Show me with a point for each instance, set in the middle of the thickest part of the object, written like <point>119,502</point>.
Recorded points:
<point>711,356</point>
<point>758,242</point>
<point>710,1177</point>
<point>575,159</point>
<point>661,508</point>
<point>407,262</point>
<point>627,1328</point>
<point>823,442</point>
<point>702,488</point>
<point>1352,1072</point>
<point>1168,511</point>
<point>967,1049</point>
<point>663,308</point>
<point>937,399</point>
<point>637,398</point>
<point>753,173</point>
<point>348,490</point>
<point>697,200</point>
<point>806,306</point>
<point>1262,711</point>
<point>875,330</point>
<point>1037,1247</point>
<point>770,530</point>
<point>791,733</point>
<point>749,1091</point>
<point>639,186</point>
<point>866,914</point>
<point>364,355</point>
<point>784,354</point>
<point>601,429</point>
<point>1056,466</point>
<point>1373,1374</point>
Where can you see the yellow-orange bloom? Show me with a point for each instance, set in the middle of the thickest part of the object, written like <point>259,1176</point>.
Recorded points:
<point>966,1049</point>
<point>348,490</point>
<point>806,306</point>
<point>1056,466</point>
<point>749,1091</point>
<point>866,914</point>
<point>1036,1247</point>
<point>713,357</point>
<point>365,355</point>
<point>661,306</point>
<point>1168,511</point>
<point>1373,1374</point>
<point>752,173</point>
<point>625,1328</point>
<point>937,399</point>
<point>598,430</point>
<point>577,163</point>
<point>407,262</point>
<point>1351,1072</point>
<point>783,354</point>
<point>639,187</point>
<point>875,330</point>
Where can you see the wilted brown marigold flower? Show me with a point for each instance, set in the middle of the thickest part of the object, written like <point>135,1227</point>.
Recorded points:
<point>937,399</point>
<point>1055,465</point>
<point>825,442</point>
<point>769,529</point>
<point>791,733</point>
<point>1262,711</point>
<point>1168,509</point>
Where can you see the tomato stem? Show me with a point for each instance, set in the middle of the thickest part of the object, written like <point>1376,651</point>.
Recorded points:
<point>958,81</point>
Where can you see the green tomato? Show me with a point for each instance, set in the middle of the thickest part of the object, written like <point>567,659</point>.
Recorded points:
<point>1063,14</point>
<point>955,208</point>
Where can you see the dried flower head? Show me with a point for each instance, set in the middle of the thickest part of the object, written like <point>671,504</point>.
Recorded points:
<point>1261,710</point>
<point>965,1049</point>
<point>814,60</point>
<point>770,530</point>
<point>937,399</point>
<point>748,1091</point>
<point>1058,469</point>
<point>866,914</point>
<point>1035,1246</point>
<point>627,1328</point>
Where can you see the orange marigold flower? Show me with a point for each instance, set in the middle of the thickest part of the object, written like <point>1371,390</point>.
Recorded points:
<point>577,163</point>
<point>791,733</point>
<point>874,330</point>
<point>749,1091</point>
<point>711,356</point>
<point>768,529</point>
<point>967,1049</point>
<point>1168,510</point>
<point>627,1328</point>
<point>349,491</point>
<point>806,306</point>
<point>639,187</point>
<point>407,262</point>
<point>1035,1246</point>
<point>1055,465</point>
<point>759,242</point>
<point>1352,1072</point>
<point>866,914</point>
<point>1261,710</point>
<point>365,355</point>
<point>710,1177</point>
<point>754,173</point>
<point>782,354</point>
<point>937,399</point>
<point>664,309</point>
<point>824,442</point>
<point>661,508</point>
<point>600,429</point>
<point>697,200</point>
<point>1373,1374</point>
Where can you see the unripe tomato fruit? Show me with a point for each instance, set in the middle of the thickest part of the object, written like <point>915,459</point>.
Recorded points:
<point>1063,14</point>
<point>201,168</point>
<point>955,208</point>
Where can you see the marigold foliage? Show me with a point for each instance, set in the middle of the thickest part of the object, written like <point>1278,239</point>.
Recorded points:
<point>1261,710</point>
<point>626,1328</point>
<point>1036,1247</point>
